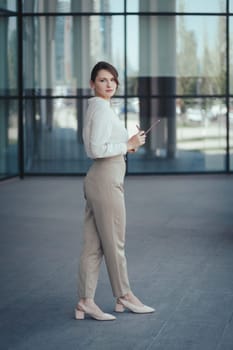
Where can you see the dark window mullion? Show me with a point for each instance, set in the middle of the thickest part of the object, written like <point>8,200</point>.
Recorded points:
<point>227,87</point>
<point>20,90</point>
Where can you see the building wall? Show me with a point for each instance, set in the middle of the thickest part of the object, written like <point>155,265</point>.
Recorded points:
<point>174,59</point>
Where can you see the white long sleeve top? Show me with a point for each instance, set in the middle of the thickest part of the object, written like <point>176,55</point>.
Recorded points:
<point>104,135</point>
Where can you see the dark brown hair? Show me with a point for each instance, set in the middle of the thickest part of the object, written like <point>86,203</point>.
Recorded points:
<point>106,66</point>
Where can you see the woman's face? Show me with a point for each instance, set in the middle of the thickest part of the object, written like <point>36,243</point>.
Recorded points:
<point>104,84</point>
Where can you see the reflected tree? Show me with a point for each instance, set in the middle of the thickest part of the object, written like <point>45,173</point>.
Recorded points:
<point>187,61</point>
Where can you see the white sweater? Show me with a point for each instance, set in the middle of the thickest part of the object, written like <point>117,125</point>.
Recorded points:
<point>104,134</point>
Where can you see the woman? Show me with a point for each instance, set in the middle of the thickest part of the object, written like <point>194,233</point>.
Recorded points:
<point>106,141</point>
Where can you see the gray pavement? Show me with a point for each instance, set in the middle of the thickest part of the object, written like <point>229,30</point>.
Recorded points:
<point>180,261</point>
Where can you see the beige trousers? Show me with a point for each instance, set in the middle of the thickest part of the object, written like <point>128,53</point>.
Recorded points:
<point>104,228</point>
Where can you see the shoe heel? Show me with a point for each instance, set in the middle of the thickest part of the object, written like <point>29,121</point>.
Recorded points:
<point>119,308</point>
<point>79,315</point>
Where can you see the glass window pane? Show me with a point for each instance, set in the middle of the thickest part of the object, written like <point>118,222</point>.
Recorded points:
<point>9,59</point>
<point>201,55</point>
<point>191,135</point>
<point>231,56</point>
<point>8,138</point>
<point>190,50</point>
<point>231,6</point>
<point>62,6</point>
<point>201,6</point>
<point>53,136</point>
<point>9,5</point>
<point>211,6</point>
<point>59,52</point>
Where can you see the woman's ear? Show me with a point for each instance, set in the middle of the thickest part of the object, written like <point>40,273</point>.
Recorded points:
<point>92,84</point>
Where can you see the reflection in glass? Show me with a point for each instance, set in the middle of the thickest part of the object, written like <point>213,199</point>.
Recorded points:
<point>8,138</point>
<point>8,61</point>
<point>53,136</point>
<point>231,56</point>
<point>231,6</point>
<point>231,133</point>
<point>197,140</point>
<point>60,51</point>
<point>62,6</point>
<point>151,48</point>
<point>9,5</point>
<point>212,6</point>
<point>167,56</point>
<point>182,54</point>
<point>201,55</point>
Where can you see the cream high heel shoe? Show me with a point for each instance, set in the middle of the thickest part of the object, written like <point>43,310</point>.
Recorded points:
<point>123,304</point>
<point>82,309</point>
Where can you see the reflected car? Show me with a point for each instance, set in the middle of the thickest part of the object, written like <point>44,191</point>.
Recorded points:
<point>194,115</point>
<point>217,111</point>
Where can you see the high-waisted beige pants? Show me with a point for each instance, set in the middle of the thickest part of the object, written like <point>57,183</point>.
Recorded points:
<point>104,228</point>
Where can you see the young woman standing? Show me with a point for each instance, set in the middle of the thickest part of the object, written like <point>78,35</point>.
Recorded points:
<point>106,142</point>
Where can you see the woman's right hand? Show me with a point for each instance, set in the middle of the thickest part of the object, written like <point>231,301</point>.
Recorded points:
<point>136,141</point>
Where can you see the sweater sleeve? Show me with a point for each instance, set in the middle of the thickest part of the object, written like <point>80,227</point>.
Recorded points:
<point>100,144</point>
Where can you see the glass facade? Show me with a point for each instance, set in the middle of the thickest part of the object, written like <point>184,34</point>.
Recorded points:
<point>192,140</point>
<point>8,5</point>
<point>230,119</point>
<point>175,61</point>
<point>9,61</point>
<point>8,138</point>
<point>8,89</point>
<point>59,51</point>
<point>208,6</point>
<point>53,136</point>
<point>72,6</point>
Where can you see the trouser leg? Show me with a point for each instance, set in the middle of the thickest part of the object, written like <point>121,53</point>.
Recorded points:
<point>91,257</point>
<point>111,222</point>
